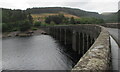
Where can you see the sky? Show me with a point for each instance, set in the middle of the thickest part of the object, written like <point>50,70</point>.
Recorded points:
<point>87,5</point>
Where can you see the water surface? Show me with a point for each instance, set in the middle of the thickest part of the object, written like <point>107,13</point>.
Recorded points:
<point>34,53</point>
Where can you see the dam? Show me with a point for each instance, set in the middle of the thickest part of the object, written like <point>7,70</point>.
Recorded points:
<point>91,43</point>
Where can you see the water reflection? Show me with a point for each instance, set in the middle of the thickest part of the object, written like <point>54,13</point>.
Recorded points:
<point>34,53</point>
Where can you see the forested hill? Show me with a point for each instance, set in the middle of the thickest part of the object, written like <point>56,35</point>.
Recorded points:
<point>73,11</point>
<point>110,16</point>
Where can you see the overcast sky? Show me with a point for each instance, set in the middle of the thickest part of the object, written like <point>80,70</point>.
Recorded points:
<point>88,5</point>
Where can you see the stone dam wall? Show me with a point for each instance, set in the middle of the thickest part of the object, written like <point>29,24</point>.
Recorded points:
<point>98,57</point>
<point>91,42</point>
<point>112,25</point>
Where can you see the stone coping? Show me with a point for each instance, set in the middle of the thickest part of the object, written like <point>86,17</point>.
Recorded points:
<point>98,56</point>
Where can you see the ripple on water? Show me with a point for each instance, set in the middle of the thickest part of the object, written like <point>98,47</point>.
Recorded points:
<point>34,53</point>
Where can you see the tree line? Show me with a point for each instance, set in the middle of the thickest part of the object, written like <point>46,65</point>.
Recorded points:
<point>73,11</point>
<point>21,20</point>
<point>111,18</point>
<point>13,20</point>
<point>61,19</point>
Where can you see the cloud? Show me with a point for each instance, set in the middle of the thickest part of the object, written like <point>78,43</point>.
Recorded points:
<point>14,4</point>
<point>6,5</point>
<point>101,6</point>
<point>89,5</point>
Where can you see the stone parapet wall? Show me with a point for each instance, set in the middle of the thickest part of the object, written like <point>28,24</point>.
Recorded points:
<point>98,56</point>
<point>112,25</point>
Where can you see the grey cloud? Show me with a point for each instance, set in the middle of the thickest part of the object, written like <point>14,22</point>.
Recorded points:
<point>88,5</point>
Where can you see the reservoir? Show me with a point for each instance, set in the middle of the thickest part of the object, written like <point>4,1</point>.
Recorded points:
<point>40,52</point>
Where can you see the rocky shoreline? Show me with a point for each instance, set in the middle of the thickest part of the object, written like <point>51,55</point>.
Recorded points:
<point>22,34</point>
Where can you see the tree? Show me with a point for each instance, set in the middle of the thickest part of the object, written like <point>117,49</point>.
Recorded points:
<point>52,23</point>
<point>25,25</point>
<point>48,20</point>
<point>14,20</point>
<point>57,19</point>
<point>4,27</point>
<point>66,20</point>
<point>72,20</point>
<point>119,16</point>
<point>30,18</point>
<point>37,24</point>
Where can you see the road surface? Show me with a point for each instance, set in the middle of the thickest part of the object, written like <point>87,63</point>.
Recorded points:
<point>115,33</point>
<point>115,47</point>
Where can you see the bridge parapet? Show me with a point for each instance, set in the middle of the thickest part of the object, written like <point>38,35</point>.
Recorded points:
<point>98,56</point>
<point>112,25</point>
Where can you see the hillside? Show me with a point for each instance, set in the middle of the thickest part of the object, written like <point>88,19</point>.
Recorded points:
<point>72,11</point>
<point>41,17</point>
<point>110,16</point>
<point>106,13</point>
<point>68,12</point>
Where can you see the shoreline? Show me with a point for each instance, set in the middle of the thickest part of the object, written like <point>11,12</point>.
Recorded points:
<point>22,34</point>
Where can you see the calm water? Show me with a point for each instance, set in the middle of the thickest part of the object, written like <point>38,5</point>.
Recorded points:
<point>34,53</point>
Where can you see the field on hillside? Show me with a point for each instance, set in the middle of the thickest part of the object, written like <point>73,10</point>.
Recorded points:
<point>41,17</point>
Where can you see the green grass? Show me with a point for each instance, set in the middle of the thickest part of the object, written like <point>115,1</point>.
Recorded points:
<point>34,28</point>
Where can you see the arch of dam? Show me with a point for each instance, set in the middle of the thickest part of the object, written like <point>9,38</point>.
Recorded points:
<point>91,42</point>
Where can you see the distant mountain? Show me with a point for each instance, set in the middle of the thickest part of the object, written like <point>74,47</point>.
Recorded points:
<point>107,16</point>
<point>72,11</point>
<point>110,16</point>
<point>118,16</point>
<point>106,13</point>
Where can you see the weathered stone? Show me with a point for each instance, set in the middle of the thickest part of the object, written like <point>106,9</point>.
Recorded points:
<point>97,57</point>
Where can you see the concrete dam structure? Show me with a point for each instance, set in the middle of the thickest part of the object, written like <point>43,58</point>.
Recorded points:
<point>91,42</point>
